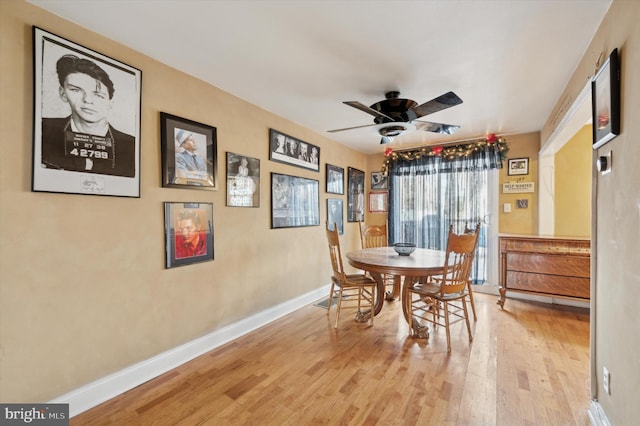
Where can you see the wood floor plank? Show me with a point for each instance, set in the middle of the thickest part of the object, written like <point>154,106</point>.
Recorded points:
<point>527,365</point>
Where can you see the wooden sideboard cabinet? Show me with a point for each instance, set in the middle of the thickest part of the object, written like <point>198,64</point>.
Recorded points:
<point>547,266</point>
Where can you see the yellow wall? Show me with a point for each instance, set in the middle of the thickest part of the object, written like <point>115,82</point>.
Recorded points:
<point>572,186</point>
<point>520,220</point>
<point>83,287</point>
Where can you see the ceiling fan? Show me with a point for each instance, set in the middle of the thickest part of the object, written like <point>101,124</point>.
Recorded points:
<point>398,115</point>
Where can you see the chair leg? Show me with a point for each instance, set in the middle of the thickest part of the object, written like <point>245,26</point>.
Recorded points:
<point>466,318</point>
<point>446,322</point>
<point>338,307</point>
<point>473,305</point>
<point>331,296</point>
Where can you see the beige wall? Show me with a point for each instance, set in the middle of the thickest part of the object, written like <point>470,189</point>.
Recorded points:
<point>615,236</point>
<point>572,186</point>
<point>520,220</point>
<point>374,164</point>
<point>83,288</point>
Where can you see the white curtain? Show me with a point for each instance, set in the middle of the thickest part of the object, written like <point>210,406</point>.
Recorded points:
<point>428,193</point>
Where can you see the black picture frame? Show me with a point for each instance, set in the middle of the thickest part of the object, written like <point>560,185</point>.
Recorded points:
<point>335,214</point>
<point>295,152</point>
<point>189,153</point>
<point>243,181</point>
<point>518,166</point>
<point>183,247</point>
<point>334,176</point>
<point>605,101</point>
<point>294,201</point>
<point>86,132</point>
<point>379,181</point>
<point>355,195</point>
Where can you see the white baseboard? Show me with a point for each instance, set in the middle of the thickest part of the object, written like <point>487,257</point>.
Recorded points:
<point>597,416</point>
<point>108,387</point>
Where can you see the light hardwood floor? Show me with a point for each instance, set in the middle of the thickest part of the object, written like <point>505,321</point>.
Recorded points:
<point>527,365</point>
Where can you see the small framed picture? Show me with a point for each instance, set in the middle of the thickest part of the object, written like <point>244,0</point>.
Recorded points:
<point>379,181</point>
<point>335,211</point>
<point>189,153</point>
<point>518,166</point>
<point>378,202</point>
<point>294,201</point>
<point>243,181</point>
<point>188,233</point>
<point>86,130</point>
<point>335,179</point>
<point>605,100</point>
<point>355,195</point>
<point>287,149</point>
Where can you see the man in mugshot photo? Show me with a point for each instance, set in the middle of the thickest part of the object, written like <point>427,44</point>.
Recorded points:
<point>85,141</point>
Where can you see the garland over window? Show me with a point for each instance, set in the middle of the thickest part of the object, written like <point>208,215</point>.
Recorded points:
<point>483,154</point>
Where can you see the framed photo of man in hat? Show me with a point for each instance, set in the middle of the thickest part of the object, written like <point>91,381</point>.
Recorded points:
<point>189,154</point>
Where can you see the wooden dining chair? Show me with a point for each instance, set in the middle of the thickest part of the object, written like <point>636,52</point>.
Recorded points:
<point>355,290</point>
<point>440,298</point>
<point>372,236</point>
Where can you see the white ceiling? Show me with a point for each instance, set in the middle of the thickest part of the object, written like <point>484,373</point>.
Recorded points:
<point>507,59</point>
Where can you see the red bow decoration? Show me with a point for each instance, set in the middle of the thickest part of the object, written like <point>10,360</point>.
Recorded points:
<point>388,152</point>
<point>437,150</point>
<point>492,138</point>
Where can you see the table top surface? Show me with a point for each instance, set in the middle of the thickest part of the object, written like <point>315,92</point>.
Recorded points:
<point>386,260</point>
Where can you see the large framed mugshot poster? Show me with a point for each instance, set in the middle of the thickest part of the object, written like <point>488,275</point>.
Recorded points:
<point>86,129</point>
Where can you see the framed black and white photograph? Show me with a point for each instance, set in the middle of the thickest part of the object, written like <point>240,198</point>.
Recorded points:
<point>188,233</point>
<point>335,179</point>
<point>379,181</point>
<point>335,214</point>
<point>605,101</point>
<point>86,125</point>
<point>287,149</point>
<point>355,195</point>
<point>189,153</point>
<point>378,201</point>
<point>243,181</point>
<point>294,201</point>
<point>518,166</point>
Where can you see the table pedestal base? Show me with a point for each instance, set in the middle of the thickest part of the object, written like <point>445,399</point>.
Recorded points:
<point>418,330</point>
<point>363,316</point>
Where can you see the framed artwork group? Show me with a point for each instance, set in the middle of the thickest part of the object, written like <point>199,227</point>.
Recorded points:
<point>87,140</point>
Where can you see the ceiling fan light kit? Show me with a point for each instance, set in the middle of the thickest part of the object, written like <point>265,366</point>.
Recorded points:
<point>402,115</point>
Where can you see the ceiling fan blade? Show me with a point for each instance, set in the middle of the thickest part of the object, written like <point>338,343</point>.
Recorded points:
<point>368,110</point>
<point>445,101</point>
<point>349,128</point>
<point>445,129</point>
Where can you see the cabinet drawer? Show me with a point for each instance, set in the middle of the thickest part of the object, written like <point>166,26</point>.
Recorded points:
<point>537,246</point>
<point>573,266</point>
<point>548,284</point>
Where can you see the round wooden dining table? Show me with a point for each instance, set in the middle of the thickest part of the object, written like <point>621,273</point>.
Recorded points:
<point>384,260</point>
